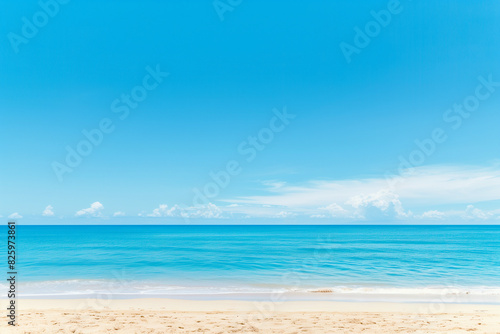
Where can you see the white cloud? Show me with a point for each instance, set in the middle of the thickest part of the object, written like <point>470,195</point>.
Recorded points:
<point>286,214</point>
<point>337,211</point>
<point>426,187</point>
<point>474,213</point>
<point>118,214</point>
<point>432,214</point>
<point>15,215</point>
<point>258,211</point>
<point>209,211</point>
<point>161,211</point>
<point>431,185</point>
<point>376,205</point>
<point>49,211</point>
<point>95,210</point>
<point>274,185</point>
<point>205,211</point>
<point>469,213</point>
<point>427,191</point>
<point>383,200</point>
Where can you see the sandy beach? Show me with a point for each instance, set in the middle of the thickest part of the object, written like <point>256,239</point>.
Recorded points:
<point>186,316</point>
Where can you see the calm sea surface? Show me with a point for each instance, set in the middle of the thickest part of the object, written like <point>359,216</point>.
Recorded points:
<point>343,262</point>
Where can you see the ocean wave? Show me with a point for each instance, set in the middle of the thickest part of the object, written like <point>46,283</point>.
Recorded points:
<point>111,287</point>
<point>135,289</point>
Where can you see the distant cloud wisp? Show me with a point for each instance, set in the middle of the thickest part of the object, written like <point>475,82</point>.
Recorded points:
<point>95,210</point>
<point>49,211</point>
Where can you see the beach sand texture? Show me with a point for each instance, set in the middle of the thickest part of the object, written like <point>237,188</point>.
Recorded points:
<point>181,316</point>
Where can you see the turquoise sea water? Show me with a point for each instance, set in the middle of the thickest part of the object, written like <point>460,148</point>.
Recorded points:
<point>411,263</point>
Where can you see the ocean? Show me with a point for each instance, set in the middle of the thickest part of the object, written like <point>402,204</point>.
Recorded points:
<point>344,263</point>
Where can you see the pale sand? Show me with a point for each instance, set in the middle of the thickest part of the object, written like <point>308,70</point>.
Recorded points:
<point>183,316</point>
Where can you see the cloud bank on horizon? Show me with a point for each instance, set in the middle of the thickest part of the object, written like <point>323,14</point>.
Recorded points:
<point>423,194</point>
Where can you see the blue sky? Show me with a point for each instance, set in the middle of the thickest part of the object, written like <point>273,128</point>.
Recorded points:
<point>354,117</point>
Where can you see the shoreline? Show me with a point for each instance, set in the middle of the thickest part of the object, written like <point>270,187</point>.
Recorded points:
<point>422,295</point>
<point>197,305</point>
<point>449,297</point>
<point>135,289</point>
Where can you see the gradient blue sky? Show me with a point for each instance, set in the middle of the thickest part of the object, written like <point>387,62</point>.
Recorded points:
<point>353,120</point>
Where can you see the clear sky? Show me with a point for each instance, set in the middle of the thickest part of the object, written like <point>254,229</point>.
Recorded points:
<point>307,108</point>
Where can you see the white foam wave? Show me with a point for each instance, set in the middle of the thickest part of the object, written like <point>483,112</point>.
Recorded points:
<point>137,289</point>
